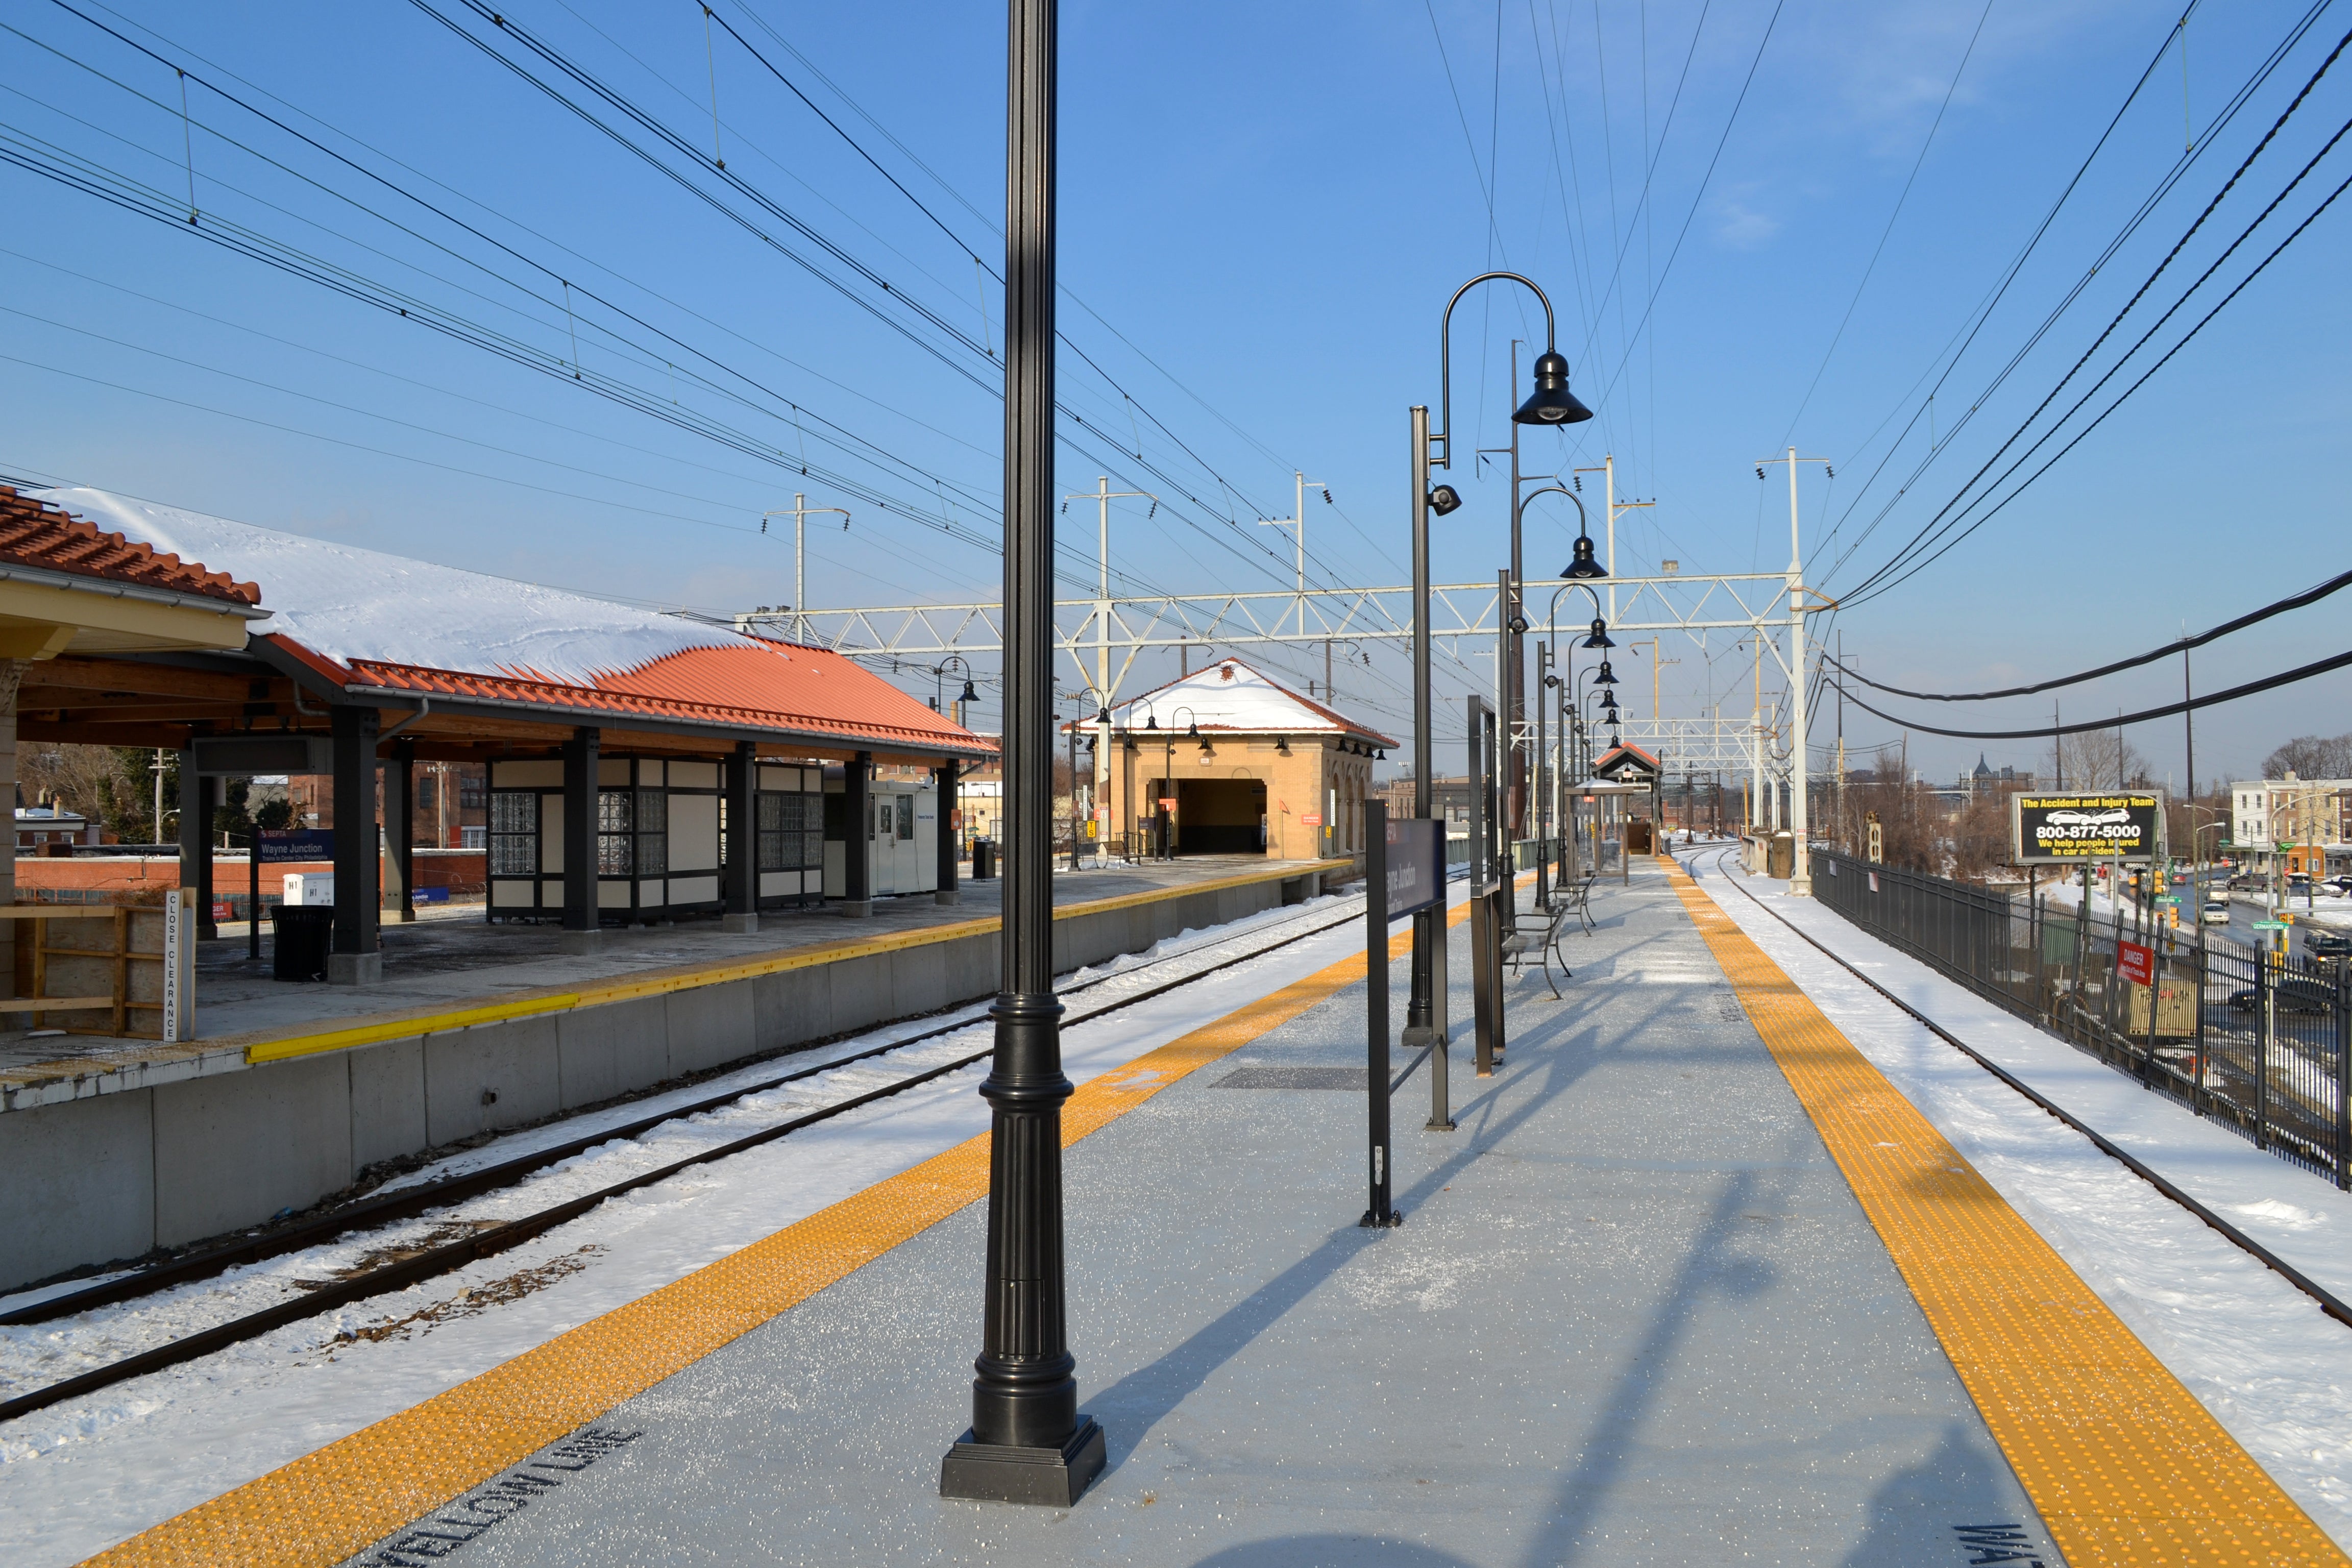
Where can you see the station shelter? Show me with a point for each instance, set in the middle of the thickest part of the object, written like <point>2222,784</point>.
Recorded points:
<point>642,765</point>
<point>1229,762</point>
<point>1623,785</point>
<point>73,599</point>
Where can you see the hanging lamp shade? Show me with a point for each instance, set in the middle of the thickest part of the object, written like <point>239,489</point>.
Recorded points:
<point>1193,730</point>
<point>1607,677</point>
<point>1608,705</point>
<point>1151,721</point>
<point>1600,636</point>
<point>1551,403</point>
<point>969,694</point>
<point>1584,567</point>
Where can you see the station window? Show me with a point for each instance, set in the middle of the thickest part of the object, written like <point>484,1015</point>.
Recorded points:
<point>632,832</point>
<point>907,817</point>
<point>791,830</point>
<point>514,833</point>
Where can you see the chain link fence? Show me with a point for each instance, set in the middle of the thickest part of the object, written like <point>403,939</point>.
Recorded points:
<point>2253,1039</point>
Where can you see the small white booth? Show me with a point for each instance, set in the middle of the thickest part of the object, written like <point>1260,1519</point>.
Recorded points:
<point>901,832</point>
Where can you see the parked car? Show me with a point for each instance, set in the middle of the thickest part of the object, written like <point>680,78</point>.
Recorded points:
<point>2293,996</point>
<point>2328,944</point>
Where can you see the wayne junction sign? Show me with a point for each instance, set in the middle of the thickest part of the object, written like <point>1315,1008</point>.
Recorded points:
<point>2062,828</point>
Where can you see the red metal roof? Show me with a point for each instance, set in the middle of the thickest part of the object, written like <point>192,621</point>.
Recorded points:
<point>33,533</point>
<point>757,686</point>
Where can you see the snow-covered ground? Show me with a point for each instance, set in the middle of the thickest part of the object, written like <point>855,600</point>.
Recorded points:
<point>2271,1366</point>
<point>81,1476</point>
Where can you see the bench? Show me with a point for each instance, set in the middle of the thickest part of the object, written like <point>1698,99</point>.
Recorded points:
<point>1544,946</point>
<point>1577,895</point>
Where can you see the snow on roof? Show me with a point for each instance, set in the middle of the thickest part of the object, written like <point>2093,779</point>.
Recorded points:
<point>1230,695</point>
<point>350,603</point>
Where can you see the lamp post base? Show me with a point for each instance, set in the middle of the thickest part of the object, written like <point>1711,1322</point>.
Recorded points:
<point>1418,1035</point>
<point>1045,1478</point>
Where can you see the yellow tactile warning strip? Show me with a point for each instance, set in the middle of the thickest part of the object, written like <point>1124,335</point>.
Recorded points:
<point>328,1505</point>
<point>684,977</point>
<point>2126,1465</point>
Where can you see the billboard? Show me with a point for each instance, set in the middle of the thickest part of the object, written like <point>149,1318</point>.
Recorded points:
<point>2047,829</point>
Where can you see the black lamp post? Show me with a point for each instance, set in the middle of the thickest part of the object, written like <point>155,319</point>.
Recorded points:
<point>1027,1442</point>
<point>1549,404</point>
<point>1168,768</point>
<point>938,671</point>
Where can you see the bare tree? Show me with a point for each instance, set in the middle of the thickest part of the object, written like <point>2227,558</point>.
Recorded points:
<point>2311,757</point>
<point>2096,758</point>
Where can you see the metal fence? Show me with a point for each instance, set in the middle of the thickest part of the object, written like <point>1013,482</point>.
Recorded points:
<point>2253,1039</point>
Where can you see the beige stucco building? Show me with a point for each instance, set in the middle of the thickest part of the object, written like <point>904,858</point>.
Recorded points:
<point>1248,766</point>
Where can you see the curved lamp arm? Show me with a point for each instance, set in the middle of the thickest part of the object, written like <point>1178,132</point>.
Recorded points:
<point>1443,440</point>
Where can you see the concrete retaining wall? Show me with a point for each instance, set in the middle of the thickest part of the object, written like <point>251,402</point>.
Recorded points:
<point>112,1175</point>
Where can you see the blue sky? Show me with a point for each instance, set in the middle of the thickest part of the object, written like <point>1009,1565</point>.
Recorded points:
<point>1263,211</point>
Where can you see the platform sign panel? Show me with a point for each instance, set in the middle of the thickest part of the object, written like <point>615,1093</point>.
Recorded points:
<point>2063,829</point>
<point>1416,864</point>
<point>284,846</point>
<point>2135,963</point>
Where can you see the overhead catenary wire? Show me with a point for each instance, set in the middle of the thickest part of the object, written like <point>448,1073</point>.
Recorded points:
<point>1980,316</point>
<point>1930,530</point>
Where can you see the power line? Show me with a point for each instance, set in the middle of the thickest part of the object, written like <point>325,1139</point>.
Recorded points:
<point>2212,698</point>
<point>2184,645</point>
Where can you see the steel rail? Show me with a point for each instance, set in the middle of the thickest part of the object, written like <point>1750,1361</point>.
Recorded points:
<point>410,1202</point>
<point>2328,1302</point>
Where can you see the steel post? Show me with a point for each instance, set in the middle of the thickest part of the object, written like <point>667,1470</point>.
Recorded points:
<point>1381,1212</point>
<point>1424,1008</point>
<point>1027,1443</point>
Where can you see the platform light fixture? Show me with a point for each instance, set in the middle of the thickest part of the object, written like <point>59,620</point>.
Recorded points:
<point>1549,404</point>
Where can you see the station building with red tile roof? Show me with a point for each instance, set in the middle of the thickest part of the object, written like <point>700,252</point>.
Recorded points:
<point>642,764</point>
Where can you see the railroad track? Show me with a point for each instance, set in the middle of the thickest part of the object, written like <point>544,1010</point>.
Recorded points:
<point>409,1203</point>
<point>2328,1302</point>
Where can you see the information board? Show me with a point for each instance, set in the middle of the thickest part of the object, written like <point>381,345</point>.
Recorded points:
<point>2047,829</point>
<point>1416,864</point>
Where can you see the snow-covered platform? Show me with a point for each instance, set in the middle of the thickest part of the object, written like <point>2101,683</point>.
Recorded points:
<point>1634,1314</point>
<point>291,1092</point>
<point>1687,1282</point>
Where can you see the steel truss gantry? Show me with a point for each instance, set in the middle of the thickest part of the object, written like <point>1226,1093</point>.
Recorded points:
<point>1758,603</point>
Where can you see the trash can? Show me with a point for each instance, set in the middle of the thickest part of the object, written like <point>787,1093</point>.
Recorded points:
<point>303,933</point>
<point>984,860</point>
<point>1781,858</point>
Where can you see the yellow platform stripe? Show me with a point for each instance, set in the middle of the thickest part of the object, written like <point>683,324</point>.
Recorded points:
<point>325,1506</point>
<point>2123,1462</point>
<point>408,1025</point>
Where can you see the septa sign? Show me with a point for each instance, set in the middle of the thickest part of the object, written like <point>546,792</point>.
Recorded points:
<point>2135,963</point>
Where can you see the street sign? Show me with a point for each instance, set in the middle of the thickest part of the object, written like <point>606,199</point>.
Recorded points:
<point>1167,803</point>
<point>2270,925</point>
<point>2135,963</point>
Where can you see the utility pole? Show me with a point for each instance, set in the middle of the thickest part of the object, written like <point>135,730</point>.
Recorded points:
<point>1610,507</point>
<point>1800,876</point>
<point>800,514</point>
<point>1102,495</point>
<point>1296,520</point>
